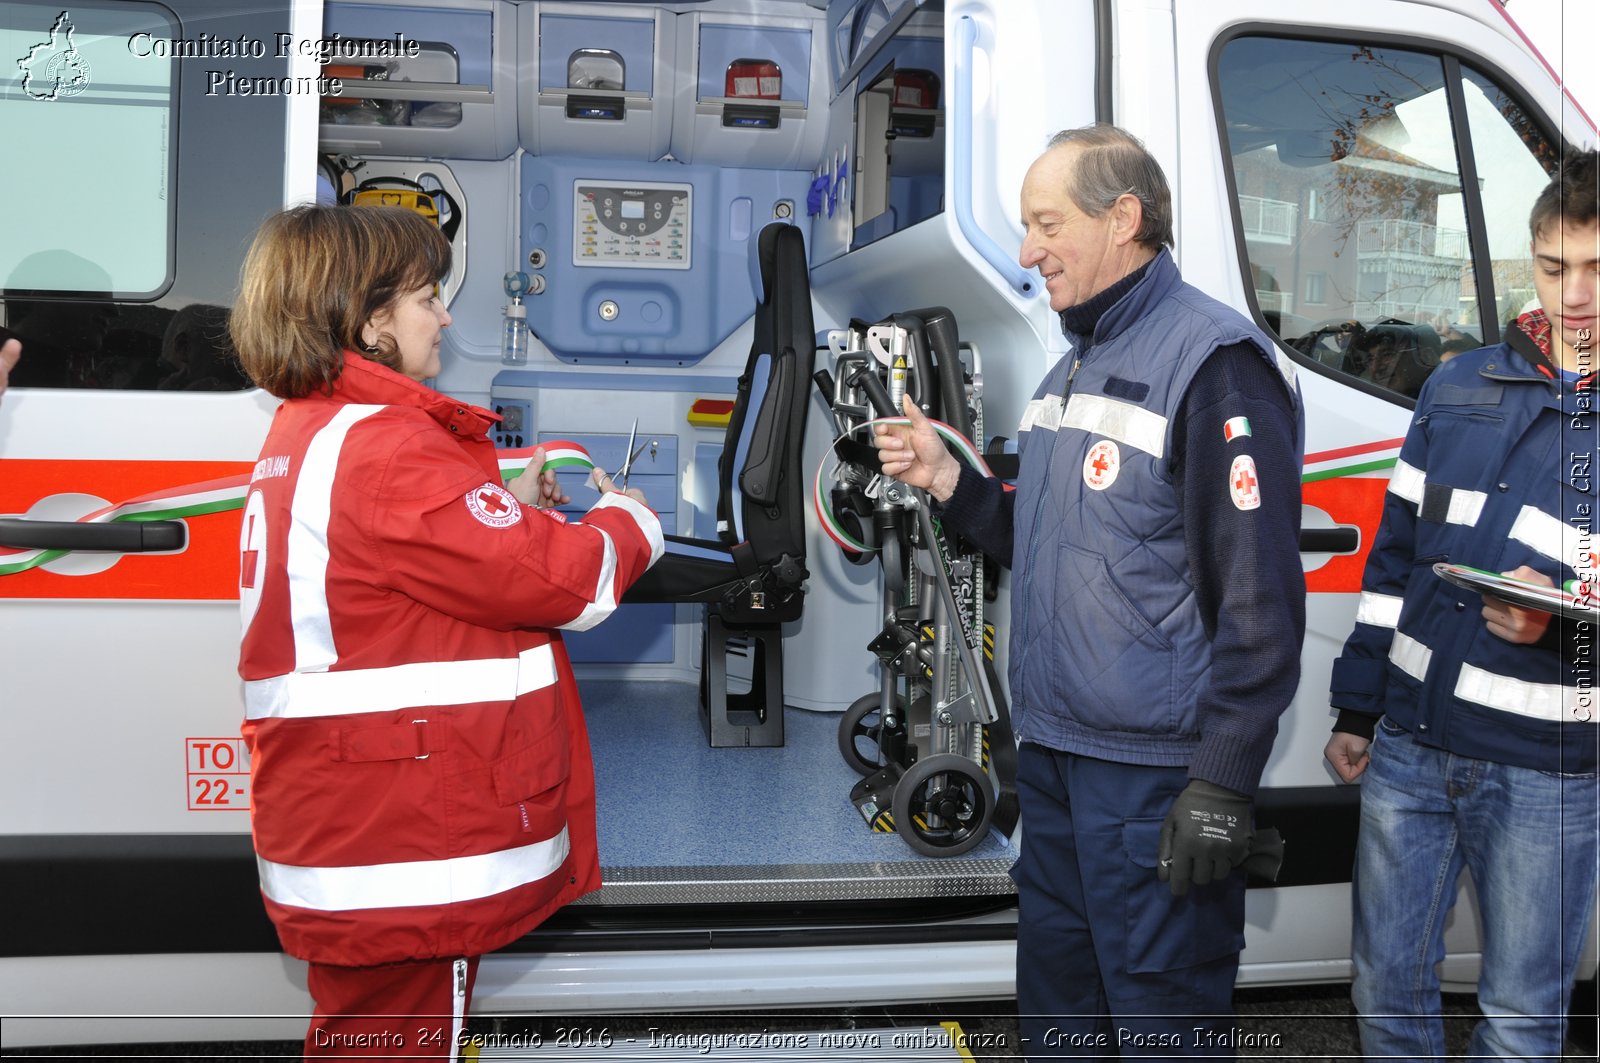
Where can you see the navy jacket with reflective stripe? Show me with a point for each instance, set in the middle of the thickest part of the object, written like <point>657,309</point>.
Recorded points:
<point>1108,648</point>
<point>1495,473</point>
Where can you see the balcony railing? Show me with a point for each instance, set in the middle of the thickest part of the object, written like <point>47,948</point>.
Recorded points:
<point>1268,220</point>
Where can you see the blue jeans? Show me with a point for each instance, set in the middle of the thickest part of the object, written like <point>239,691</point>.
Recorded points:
<point>1528,838</point>
<point>1109,963</point>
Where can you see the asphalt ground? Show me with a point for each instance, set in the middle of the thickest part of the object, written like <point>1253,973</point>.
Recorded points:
<point>1310,1023</point>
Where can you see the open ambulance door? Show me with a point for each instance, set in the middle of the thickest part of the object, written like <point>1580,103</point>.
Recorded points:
<point>126,441</point>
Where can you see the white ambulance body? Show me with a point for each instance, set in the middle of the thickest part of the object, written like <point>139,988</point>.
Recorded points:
<point>1355,177</point>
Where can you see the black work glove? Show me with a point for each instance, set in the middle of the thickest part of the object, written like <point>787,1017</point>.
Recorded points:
<point>1206,835</point>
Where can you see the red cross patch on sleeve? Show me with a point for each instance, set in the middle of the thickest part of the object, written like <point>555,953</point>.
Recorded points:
<point>1243,484</point>
<point>494,505</point>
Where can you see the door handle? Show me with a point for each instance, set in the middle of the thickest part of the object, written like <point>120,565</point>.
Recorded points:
<point>121,536</point>
<point>1339,540</point>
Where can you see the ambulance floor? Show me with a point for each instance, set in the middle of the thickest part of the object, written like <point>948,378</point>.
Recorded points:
<point>668,799</point>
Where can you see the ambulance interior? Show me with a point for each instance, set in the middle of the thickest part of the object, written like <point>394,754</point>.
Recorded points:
<point>626,195</point>
<point>610,173</point>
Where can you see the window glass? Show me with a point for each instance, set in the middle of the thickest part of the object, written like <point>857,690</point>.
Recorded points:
<point>1514,161</point>
<point>95,100</point>
<point>1350,197</point>
<point>107,283</point>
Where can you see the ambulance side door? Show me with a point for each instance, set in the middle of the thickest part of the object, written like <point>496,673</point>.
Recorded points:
<point>139,171</point>
<point>1377,188</point>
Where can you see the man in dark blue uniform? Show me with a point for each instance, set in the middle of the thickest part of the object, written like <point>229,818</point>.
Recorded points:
<point>1158,606</point>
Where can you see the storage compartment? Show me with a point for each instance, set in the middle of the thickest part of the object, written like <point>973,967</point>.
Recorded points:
<point>442,84</point>
<point>753,92</point>
<point>599,79</point>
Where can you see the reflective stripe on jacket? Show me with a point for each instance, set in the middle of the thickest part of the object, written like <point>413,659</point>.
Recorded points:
<point>1496,472</point>
<point>1108,647</point>
<point>420,769</point>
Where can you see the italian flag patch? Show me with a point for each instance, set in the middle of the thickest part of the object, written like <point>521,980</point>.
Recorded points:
<point>1235,427</point>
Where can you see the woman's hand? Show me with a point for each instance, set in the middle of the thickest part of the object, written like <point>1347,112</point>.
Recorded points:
<point>601,481</point>
<point>915,455</point>
<point>541,490</point>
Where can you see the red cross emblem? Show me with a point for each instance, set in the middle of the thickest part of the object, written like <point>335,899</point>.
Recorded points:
<point>489,501</point>
<point>1243,483</point>
<point>1101,465</point>
<point>493,505</point>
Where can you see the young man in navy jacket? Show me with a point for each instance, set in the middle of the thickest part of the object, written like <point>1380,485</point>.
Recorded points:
<point>1471,722</point>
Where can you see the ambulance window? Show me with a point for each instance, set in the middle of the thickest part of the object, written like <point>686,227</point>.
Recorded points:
<point>91,276</point>
<point>1354,213</point>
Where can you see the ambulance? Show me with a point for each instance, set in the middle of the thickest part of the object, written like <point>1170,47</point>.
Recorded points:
<point>1355,177</point>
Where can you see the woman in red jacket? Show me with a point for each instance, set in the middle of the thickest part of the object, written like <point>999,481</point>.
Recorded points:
<point>422,787</point>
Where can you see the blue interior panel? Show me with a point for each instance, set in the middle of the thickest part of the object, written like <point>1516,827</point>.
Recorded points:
<point>662,316</point>
<point>470,33</point>
<point>721,45</point>
<point>631,38</point>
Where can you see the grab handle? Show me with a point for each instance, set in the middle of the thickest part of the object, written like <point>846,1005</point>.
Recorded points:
<point>1020,280</point>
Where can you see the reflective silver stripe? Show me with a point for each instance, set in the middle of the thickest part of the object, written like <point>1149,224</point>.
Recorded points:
<point>1379,610</point>
<point>1043,413</point>
<point>1540,701</point>
<point>605,592</point>
<point>1410,656</point>
<point>1553,538</point>
<point>300,695</point>
<point>642,515</point>
<point>411,883</point>
<point>1406,481</point>
<point>1122,421</point>
<point>307,554</point>
<point>1285,367</point>
<point>1465,507</point>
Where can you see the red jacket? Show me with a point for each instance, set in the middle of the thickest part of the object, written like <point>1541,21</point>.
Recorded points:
<point>420,769</point>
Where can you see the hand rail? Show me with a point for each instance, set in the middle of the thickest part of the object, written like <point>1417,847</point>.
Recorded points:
<point>1020,280</point>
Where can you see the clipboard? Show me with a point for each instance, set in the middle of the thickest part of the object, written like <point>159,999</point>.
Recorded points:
<point>1582,608</point>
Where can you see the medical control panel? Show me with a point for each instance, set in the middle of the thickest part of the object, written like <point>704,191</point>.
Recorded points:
<point>639,226</point>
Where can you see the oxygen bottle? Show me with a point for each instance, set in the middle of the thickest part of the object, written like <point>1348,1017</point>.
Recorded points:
<point>514,336</point>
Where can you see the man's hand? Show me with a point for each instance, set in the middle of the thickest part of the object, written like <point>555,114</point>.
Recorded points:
<point>1512,622</point>
<point>541,490</point>
<point>1347,754</point>
<point>10,355</point>
<point>1206,835</point>
<point>915,455</point>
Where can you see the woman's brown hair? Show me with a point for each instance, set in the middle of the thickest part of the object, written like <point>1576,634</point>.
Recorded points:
<point>314,276</point>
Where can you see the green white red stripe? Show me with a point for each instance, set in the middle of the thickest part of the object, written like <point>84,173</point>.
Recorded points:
<point>819,501</point>
<point>558,454</point>
<point>218,496</point>
<point>1364,459</point>
<point>190,500</point>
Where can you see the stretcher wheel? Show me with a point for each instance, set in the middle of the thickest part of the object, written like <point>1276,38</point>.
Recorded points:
<point>860,734</point>
<point>943,805</point>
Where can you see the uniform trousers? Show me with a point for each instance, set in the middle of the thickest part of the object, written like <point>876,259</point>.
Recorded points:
<point>1109,963</point>
<point>409,1010</point>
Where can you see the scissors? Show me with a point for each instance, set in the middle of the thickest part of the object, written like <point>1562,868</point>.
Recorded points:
<point>627,465</point>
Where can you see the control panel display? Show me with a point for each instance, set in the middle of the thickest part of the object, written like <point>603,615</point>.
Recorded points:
<point>633,226</point>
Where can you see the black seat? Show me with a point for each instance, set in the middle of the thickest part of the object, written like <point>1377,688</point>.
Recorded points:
<point>751,577</point>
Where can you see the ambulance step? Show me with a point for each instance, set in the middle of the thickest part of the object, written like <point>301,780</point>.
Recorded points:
<point>946,1041</point>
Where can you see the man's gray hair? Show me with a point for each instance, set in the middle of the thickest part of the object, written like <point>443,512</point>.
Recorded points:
<point>1113,163</point>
